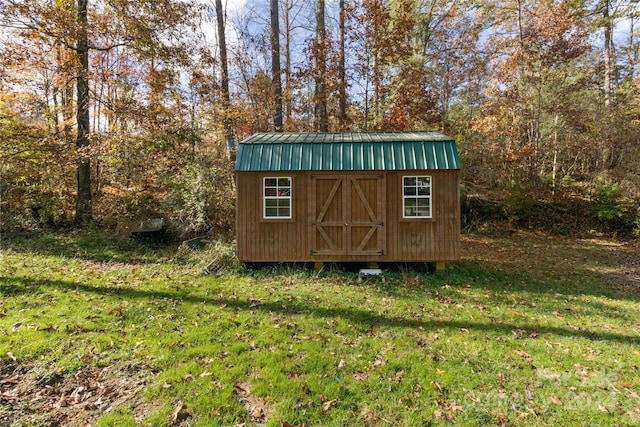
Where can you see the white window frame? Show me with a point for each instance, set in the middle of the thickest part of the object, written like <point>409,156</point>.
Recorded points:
<point>282,192</point>
<point>417,196</point>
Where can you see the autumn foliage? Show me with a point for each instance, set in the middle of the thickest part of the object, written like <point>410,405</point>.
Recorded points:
<point>540,95</point>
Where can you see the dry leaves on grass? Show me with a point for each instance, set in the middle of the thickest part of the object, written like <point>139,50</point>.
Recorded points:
<point>77,399</point>
<point>327,404</point>
<point>446,410</point>
<point>180,414</point>
<point>395,378</point>
<point>257,407</point>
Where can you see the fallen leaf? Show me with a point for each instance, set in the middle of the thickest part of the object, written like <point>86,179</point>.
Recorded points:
<point>188,378</point>
<point>376,364</point>
<point>205,374</point>
<point>328,405</point>
<point>258,407</point>
<point>447,409</point>
<point>11,356</point>
<point>342,364</point>
<point>396,377</point>
<point>523,354</point>
<point>555,400</point>
<point>241,389</point>
<point>179,413</point>
<point>360,376</point>
<point>62,402</point>
<point>16,326</point>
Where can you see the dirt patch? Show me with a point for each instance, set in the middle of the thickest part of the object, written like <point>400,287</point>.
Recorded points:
<point>38,394</point>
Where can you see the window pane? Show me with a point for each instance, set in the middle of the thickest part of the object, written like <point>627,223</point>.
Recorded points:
<point>409,191</point>
<point>423,181</point>
<point>270,191</point>
<point>271,203</point>
<point>284,182</point>
<point>424,191</point>
<point>270,182</point>
<point>269,212</point>
<point>284,192</point>
<point>423,202</point>
<point>423,211</point>
<point>284,212</point>
<point>409,181</point>
<point>284,203</point>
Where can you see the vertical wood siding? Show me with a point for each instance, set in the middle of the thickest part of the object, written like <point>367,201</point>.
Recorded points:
<point>402,239</point>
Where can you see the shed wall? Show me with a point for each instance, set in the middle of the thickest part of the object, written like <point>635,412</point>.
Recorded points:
<point>436,239</point>
<point>270,240</point>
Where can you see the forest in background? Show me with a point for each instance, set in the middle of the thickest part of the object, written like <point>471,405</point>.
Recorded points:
<point>120,110</point>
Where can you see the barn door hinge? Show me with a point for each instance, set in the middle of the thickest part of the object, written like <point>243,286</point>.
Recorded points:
<point>312,252</point>
<point>381,224</point>
<point>381,252</point>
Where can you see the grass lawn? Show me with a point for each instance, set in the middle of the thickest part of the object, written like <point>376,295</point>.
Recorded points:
<point>525,329</point>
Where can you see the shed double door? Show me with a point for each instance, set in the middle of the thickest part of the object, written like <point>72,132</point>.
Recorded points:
<point>347,215</point>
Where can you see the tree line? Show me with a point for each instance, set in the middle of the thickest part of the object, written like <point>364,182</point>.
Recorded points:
<point>119,109</point>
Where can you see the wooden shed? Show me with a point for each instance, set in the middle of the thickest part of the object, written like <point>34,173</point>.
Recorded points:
<point>347,197</point>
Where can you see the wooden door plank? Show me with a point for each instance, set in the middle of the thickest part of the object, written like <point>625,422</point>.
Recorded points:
<point>363,199</point>
<point>327,203</point>
<point>366,239</point>
<point>326,238</point>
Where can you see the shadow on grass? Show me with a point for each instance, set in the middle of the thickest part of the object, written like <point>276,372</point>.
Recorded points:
<point>88,244</point>
<point>364,318</point>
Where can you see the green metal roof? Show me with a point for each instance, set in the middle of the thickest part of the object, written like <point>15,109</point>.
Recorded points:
<point>348,151</point>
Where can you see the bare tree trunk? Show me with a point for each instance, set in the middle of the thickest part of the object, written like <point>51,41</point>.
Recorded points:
<point>287,63</point>
<point>554,170</point>
<point>275,66</point>
<point>366,96</point>
<point>321,114</point>
<point>224,82</point>
<point>632,52</point>
<point>608,54</point>
<point>84,212</point>
<point>342,102</point>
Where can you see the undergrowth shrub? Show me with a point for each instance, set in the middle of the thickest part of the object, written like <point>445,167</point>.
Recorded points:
<point>200,197</point>
<point>519,204</point>
<point>187,199</point>
<point>611,209</point>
